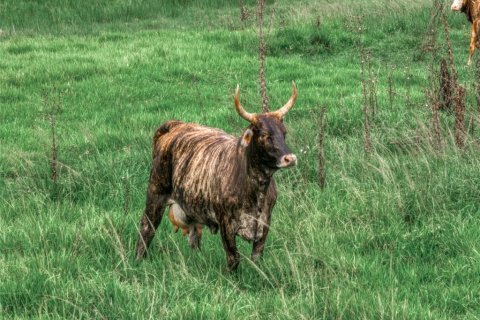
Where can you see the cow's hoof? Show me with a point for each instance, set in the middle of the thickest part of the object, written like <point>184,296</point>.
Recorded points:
<point>233,264</point>
<point>194,241</point>
<point>256,257</point>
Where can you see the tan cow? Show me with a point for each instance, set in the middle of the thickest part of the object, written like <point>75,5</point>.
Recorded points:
<point>471,8</point>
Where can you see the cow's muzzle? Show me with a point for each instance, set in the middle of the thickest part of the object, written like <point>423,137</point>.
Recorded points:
<point>287,161</point>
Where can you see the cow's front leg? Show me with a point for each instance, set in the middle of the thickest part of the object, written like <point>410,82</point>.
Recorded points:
<point>259,245</point>
<point>229,244</point>
<point>264,225</point>
<point>264,221</point>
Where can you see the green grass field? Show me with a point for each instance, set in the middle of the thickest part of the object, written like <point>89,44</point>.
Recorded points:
<point>393,235</point>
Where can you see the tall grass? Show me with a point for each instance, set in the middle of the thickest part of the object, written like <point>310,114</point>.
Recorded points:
<point>392,235</point>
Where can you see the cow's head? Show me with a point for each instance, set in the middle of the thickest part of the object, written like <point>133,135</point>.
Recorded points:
<point>266,134</point>
<point>457,5</point>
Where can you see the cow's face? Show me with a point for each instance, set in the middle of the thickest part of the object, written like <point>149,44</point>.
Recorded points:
<point>266,135</point>
<point>268,141</point>
<point>457,5</point>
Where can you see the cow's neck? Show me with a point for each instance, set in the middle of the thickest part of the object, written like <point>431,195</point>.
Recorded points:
<point>261,176</point>
<point>249,180</point>
<point>257,172</point>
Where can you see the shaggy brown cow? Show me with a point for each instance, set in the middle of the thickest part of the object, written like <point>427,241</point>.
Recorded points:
<point>472,11</point>
<point>218,180</point>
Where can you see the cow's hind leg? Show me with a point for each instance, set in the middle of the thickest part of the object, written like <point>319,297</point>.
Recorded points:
<point>156,202</point>
<point>195,236</point>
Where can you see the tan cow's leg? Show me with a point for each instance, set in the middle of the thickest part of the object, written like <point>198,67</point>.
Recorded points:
<point>473,41</point>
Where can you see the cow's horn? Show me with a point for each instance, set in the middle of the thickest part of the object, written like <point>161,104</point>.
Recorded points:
<point>250,117</point>
<point>284,110</point>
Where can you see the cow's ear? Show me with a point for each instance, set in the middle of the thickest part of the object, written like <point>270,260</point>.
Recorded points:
<point>247,137</point>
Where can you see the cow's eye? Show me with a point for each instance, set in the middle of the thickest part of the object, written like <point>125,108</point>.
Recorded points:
<point>268,139</point>
<point>264,136</point>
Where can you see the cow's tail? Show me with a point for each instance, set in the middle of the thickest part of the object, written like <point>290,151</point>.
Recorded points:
<point>162,130</point>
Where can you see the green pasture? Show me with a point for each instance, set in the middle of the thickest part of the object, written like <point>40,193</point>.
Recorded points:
<point>394,234</point>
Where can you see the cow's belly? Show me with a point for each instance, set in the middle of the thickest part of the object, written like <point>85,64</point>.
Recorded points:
<point>245,224</point>
<point>199,214</point>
